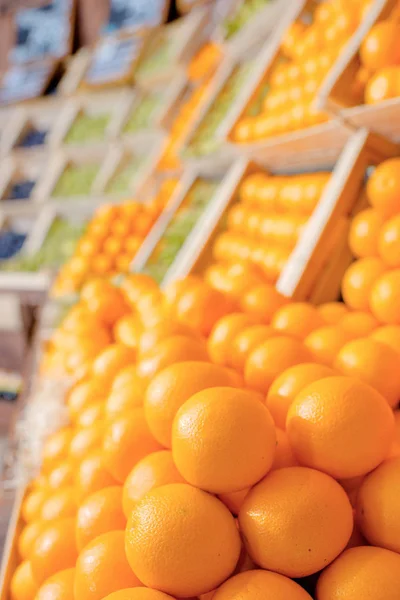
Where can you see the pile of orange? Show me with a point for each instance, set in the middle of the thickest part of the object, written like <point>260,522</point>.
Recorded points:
<point>378,77</point>
<point>112,239</point>
<point>265,224</point>
<point>211,454</point>
<point>308,51</point>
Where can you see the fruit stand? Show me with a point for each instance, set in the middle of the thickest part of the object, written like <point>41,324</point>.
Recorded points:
<point>200,222</point>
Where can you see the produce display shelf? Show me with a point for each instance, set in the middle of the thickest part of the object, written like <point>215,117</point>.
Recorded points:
<point>317,264</point>
<point>336,93</point>
<point>20,182</point>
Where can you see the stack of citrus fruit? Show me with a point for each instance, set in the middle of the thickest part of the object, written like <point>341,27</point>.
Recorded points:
<point>265,224</point>
<point>378,77</point>
<point>308,52</point>
<point>113,237</point>
<point>191,408</point>
<point>205,62</point>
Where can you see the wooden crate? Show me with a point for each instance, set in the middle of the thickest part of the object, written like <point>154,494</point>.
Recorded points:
<point>10,557</point>
<point>336,93</point>
<point>312,147</point>
<point>316,266</point>
<point>14,170</point>
<point>188,33</point>
<point>113,103</point>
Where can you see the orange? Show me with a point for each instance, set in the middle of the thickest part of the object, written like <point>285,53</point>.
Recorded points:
<point>222,335</point>
<point>102,299</point>
<point>33,503</point>
<point>260,585</point>
<point>58,587</point>
<point>304,514</point>
<point>28,536</point>
<point>99,513</point>
<point>83,394</point>
<point>173,290</point>
<point>374,363</point>
<point>176,384</point>
<point>378,507</point>
<point>223,440</point>
<point>161,331</point>
<point>201,307</point>
<point>383,187</point>
<point>54,550</point>
<point>55,448</point>
<point>84,441</point>
<point>358,281</point>
<point>152,471</point>
<point>381,46</point>
<point>389,335</point>
<point>195,563</point>
<point>341,426</point>
<point>325,343</point>
<point>175,349</point>
<point>272,357</point>
<point>152,308</point>
<point>383,85</point>
<point>297,319</point>
<point>136,285</point>
<point>92,475</point>
<point>234,500</point>
<point>358,323</point>
<point>60,504</point>
<point>102,568</point>
<point>122,401</point>
<point>91,415</point>
<point>139,593</point>
<point>242,277</point>
<point>128,330</point>
<point>288,384</point>
<point>332,312</point>
<point>389,242</point>
<point>363,572</point>
<point>385,298</point>
<point>127,440</point>
<point>364,232</point>
<point>284,456</point>
<point>126,377</point>
<point>112,360</point>
<point>246,341</point>
<point>23,585</point>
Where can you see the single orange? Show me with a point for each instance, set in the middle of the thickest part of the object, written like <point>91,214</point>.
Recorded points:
<point>28,536</point>
<point>174,290</point>
<point>297,319</point>
<point>358,281</point>
<point>84,394</point>
<point>389,335</point>
<point>223,440</point>
<point>385,298</point>
<point>112,360</point>
<point>364,232</point>
<point>272,357</point>
<point>59,586</point>
<point>358,323</point>
<point>258,585</point>
<point>374,363</point>
<point>91,415</point>
<point>127,440</point>
<point>102,568</point>
<point>382,85</point>
<point>175,349</point>
<point>138,593</point>
<point>225,330</point>
<point>102,299</point>
<point>245,342</point>
<point>162,330</point>
<point>23,585</point>
<point>92,475</point>
<point>381,46</point>
<point>126,377</point>
<point>306,517</point>
<point>84,441</point>
<point>59,505</point>
<point>54,550</point>
<point>154,470</point>
<point>99,513</point>
<point>121,401</point>
<point>136,285</point>
<point>332,312</point>
<point>162,519</point>
<point>288,384</point>
<point>383,187</point>
<point>325,343</point>
<point>56,448</point>
<point>389,242</point>
<point>363,572</point>
<point>33,503</point>
<point>128,330</point>
<point>341,426</point>
<point>176,384</point>
<point>201,307</point>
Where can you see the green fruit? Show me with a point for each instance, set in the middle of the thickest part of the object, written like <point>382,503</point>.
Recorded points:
<point>142,116</point>
<point>123,181</point>
<point>243,14</point>
<point>87,128</point>
<point>76,181</point>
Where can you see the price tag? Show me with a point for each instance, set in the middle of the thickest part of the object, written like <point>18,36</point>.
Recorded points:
<point>24,82</point>
<point>137,14</point>
<point>43,32</point>
<point>113,60</point>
